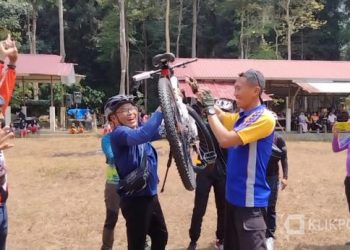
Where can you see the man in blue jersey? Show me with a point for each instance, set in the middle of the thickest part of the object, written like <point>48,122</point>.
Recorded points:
<point>248,136</point>
<point>133,152</point>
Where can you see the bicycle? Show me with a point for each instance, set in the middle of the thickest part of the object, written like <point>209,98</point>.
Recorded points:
<point>182,123</point>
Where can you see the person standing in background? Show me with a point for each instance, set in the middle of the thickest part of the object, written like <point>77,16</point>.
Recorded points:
<point>279,154</point>
<point>339,145</point>
<point>7,82</point>
<point>112,199</point>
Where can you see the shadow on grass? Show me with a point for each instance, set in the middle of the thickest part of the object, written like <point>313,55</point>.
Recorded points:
<point>78,154</point>
<point>299,247</point>
<point>206,248</point>
<point>313,247</point>
<point>209,247</point>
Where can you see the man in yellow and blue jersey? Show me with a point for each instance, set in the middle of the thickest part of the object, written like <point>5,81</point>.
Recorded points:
<point>248,136</point>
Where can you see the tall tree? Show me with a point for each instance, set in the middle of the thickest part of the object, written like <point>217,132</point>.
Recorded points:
<point>61,27</point>
<point>32,33</point>
<point>300,14</point>
<point>179,28</point>
<point>255,23</point>
<point>194,28</point>
<point>123,52</point>
<point>324,43</point>
<point>34,7</point>
<point>167,26</point>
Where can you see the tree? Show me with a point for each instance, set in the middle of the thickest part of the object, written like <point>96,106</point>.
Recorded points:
<point>167,26</point>
<point>32,34</point>
<point>255,22</point>
<point>123,52</point>
<point>12,19</point>
<point>20,94</point>
<point>179,28</point>
<point>92,98</point>
<point>61,25</point>
<point>300,14</point>
<point>194,29</point>
<point>32,24</point>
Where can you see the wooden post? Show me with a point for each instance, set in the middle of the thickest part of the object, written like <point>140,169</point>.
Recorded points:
<point>23,95</point>
<point>51,92</point>
<point>52,111</point>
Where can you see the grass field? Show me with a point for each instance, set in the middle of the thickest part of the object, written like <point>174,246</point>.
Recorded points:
<point>56,198</point>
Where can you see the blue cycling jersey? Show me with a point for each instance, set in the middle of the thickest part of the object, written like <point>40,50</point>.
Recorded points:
<point>127,145</point>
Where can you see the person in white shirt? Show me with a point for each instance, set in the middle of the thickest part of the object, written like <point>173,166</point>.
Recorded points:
<point>332,118</point>
<point>303,122</point>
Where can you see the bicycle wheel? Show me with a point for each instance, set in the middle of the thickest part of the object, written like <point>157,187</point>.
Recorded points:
<point>177,141</point>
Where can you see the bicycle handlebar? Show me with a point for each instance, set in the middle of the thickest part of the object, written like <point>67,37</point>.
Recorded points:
<point>143,76</point>
<point>148,74</point>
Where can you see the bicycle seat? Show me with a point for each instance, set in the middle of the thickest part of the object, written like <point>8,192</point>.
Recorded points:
<point>161,58</point>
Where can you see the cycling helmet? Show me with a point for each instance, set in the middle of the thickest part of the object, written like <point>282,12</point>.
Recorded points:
<point>224,104</point>
<point>115,102</point>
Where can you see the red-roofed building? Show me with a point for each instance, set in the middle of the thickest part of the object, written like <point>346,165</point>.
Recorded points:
<point>45,69</point>
<point>41,68</point>
<point>304,85</point>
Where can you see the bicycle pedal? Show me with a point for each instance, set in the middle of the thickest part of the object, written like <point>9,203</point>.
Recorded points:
<point>210,157</point>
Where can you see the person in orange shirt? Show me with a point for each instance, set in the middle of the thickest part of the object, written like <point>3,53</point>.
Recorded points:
<point>7,83</point>
<point>7,77</point>
<point>73,129</point>
<point>81,128</point>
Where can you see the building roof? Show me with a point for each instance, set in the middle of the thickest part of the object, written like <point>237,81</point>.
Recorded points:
<point>218,90</point>
<point>44,68</point>
<point>228,69</point>
<point>325,87</point>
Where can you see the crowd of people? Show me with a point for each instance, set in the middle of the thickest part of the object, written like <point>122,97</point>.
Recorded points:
<point>74,129</point>
<point>24,127</point>
<point>83,118</point>
<point>316,121</point>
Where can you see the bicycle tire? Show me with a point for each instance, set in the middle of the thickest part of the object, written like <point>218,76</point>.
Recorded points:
<point>205,137</point>
<point>169,109</point>
<point>221,154</point>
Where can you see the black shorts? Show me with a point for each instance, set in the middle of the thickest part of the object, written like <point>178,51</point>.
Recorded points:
<point>245,228</point>
<point>347,190</point>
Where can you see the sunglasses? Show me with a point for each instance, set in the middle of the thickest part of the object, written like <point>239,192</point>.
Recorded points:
<point>127,110</point>
<point>256,77</point>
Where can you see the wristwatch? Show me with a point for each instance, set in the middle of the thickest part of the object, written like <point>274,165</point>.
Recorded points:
<point>211,111</point>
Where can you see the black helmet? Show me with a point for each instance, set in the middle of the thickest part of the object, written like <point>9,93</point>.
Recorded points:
<point>115,102</point>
